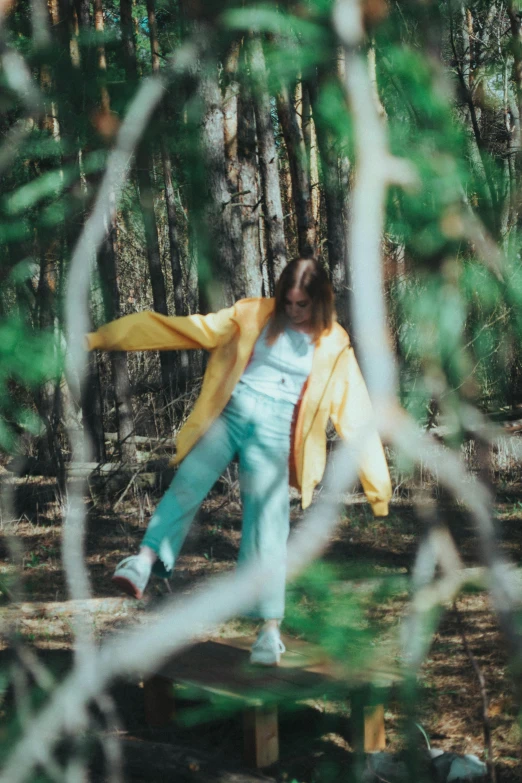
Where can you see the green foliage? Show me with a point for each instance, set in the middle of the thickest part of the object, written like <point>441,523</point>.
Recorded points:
<point>28,358</point>
<point>322,607</point>
<point>50,185</point>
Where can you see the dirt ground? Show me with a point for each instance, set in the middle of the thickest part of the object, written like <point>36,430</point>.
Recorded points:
<point>315,736</point>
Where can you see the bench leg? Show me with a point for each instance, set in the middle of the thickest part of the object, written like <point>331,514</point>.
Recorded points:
<point>367,724</point>
<point>158,696</point>
<point>261,736</point>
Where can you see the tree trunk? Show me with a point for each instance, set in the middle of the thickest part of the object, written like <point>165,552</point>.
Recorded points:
<point>48,394</point>
<point>108,269</point>
<point>146,196</point>
<point>174,245</point>
<point>222,209</point>
<point>516,132</point>
<point>249,188</point>
<point>334,206</point>
<point>107,266</point>
<point>299,172</point>
<point>268,162</point>
<point>310,140</point>
<point>465,76</point>
<point>92,411</point>
<point>231,115</point>
<point>102,60</point>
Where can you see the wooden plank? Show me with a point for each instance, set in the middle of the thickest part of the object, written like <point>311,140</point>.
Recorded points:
<point>223,666</point>
<point>261,736</point>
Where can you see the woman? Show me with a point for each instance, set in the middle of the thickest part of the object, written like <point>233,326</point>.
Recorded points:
<point>278,370</point>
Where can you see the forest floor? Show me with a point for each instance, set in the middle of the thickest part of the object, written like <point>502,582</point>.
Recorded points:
<point>314,738</point>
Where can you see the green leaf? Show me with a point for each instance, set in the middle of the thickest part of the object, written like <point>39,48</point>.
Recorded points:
<point>268,19</point>
<point>51,184</point>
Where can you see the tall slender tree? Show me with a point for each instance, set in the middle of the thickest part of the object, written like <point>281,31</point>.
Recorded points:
<point>268,161</point>
<point>108,270</point>
<point>223,216</point>
<point>143,166</point>
<point>299,171</point>
<point>170,202</point>
<point>249,192</point>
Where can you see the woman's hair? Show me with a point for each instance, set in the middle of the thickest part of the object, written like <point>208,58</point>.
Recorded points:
<point>307,275</point>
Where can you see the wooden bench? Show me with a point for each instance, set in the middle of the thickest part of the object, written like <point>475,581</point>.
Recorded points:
<point>220,668</point>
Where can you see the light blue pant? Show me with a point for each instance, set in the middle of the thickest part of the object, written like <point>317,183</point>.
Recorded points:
<point>257,429</point>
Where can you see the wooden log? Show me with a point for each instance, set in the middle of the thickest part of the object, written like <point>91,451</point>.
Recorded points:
<point>37,609</point>
<point>143,440</point>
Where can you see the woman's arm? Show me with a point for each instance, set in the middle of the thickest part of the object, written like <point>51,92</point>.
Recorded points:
<point>351,414</point>
<point>150,331</point>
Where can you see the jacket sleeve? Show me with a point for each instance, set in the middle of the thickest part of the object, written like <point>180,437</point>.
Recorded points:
<point>150,331</point>
<point>350,412</point>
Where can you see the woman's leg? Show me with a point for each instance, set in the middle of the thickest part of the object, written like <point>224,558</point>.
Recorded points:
<point>263,465</point>
<point>194,478</point>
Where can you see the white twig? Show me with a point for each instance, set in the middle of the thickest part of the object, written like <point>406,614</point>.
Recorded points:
<point>373,175</point>
<point>76,309</point>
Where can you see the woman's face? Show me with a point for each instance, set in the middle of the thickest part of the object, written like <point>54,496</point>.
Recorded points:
<point>298,309</point>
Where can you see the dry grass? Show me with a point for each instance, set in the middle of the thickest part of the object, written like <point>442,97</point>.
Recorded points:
<point>450,704</point>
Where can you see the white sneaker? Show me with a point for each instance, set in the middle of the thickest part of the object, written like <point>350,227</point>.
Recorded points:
<point>267,648</point>
<point>132,575</point>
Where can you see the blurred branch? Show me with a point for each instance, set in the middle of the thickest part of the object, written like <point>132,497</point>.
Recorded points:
<point>14,138</point>
<point>373,175</point>
<point>376,169</point>
<point>19,79</point>
<point>77,322</point>
<point>136,652</point>
<point>40,23</point>
<point>224,597</point>
<point>109,741</point>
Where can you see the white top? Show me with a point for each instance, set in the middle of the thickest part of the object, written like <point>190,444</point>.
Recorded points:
<point>280,370</point>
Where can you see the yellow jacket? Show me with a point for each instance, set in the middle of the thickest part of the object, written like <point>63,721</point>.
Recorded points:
<point>335,388</point>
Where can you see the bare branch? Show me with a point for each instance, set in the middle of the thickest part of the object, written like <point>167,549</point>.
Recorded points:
<point>146,100</point>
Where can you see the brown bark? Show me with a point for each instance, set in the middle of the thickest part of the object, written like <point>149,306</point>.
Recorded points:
<point>311,150</point>
<point>102,60</point>
<point>92,411</point>
<point>48,396</point>
<point>268,162</point>
<point>516,34</point>
<point>222,207</point>
<point>465,75</point>
<point>231,116</point>
<point>172,221</point>
<point>82,8</point>
<point>250,192</point>
<point>334,207</point>
<point>299,173</point>
<point>146,195</point>
<point>108,268</point>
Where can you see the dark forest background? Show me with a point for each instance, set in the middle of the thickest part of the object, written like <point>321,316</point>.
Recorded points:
<point>248,162</point>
